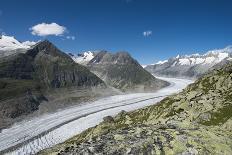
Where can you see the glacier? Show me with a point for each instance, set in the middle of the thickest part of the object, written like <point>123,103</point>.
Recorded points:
<point>32,136</point>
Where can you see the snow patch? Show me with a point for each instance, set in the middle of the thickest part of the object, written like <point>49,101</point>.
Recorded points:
<point>144,66</point>
<point>184,62</point>
<point>161,62</point>
<point>83,58</point>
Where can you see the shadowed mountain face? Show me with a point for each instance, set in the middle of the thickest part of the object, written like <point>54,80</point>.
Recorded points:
<point>26,78</point>
<point>121,71</point>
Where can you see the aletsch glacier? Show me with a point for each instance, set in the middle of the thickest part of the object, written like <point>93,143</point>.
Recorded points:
<point>29,137</point>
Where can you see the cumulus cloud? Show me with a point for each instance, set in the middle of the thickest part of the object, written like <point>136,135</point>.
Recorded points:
<point>45,29</point>
<point>147,33</point>
<point>71,37</point>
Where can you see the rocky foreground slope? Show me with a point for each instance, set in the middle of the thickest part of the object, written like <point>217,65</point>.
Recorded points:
<point>42,73</point>
<point>196,121</point>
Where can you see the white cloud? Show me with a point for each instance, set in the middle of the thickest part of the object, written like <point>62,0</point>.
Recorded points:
<point>147,33</point>
<point>71,37</point>
<point>45,29</point>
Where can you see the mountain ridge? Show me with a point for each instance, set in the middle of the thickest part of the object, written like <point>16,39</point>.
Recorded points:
<point>190,66</point>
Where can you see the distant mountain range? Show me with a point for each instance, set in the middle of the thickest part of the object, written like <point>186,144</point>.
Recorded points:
<point>191,66</point>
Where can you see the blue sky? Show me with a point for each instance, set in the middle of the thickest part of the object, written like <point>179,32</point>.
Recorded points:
<point>150,30</point>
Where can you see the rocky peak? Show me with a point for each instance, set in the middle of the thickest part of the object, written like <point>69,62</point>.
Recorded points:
<point>46,47</point>
<point>98,57</point>
<point>105,57</point>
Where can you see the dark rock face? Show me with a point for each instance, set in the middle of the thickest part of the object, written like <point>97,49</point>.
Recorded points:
<point>25,77</point>
<point>121,71</point>
<point>49,66</point>
<point>56,69</point>
<point>18,67</point>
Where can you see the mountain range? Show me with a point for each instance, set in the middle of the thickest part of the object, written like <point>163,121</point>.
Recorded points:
<point>191,66</point>
<point>37,77</point>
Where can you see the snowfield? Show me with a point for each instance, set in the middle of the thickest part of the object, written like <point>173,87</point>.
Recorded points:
<point>29,137</point>
<point>8,43</point>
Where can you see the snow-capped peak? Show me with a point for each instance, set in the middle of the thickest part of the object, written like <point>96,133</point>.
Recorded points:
<point>8,43</point>
<point>83,58</point>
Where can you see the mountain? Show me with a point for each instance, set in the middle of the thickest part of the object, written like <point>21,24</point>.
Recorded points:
<point>121,71</point>
<point>190,66</point>
<point>83,58</point>
<point>41,74</point>
<point>197,120</point>
<point>9,45</point>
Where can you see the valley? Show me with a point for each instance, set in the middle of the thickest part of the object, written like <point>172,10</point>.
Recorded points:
<point>31,136</point>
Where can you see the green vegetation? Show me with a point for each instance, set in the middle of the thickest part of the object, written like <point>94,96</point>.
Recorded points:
<point>220,116</point>
<point>11,88</point>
